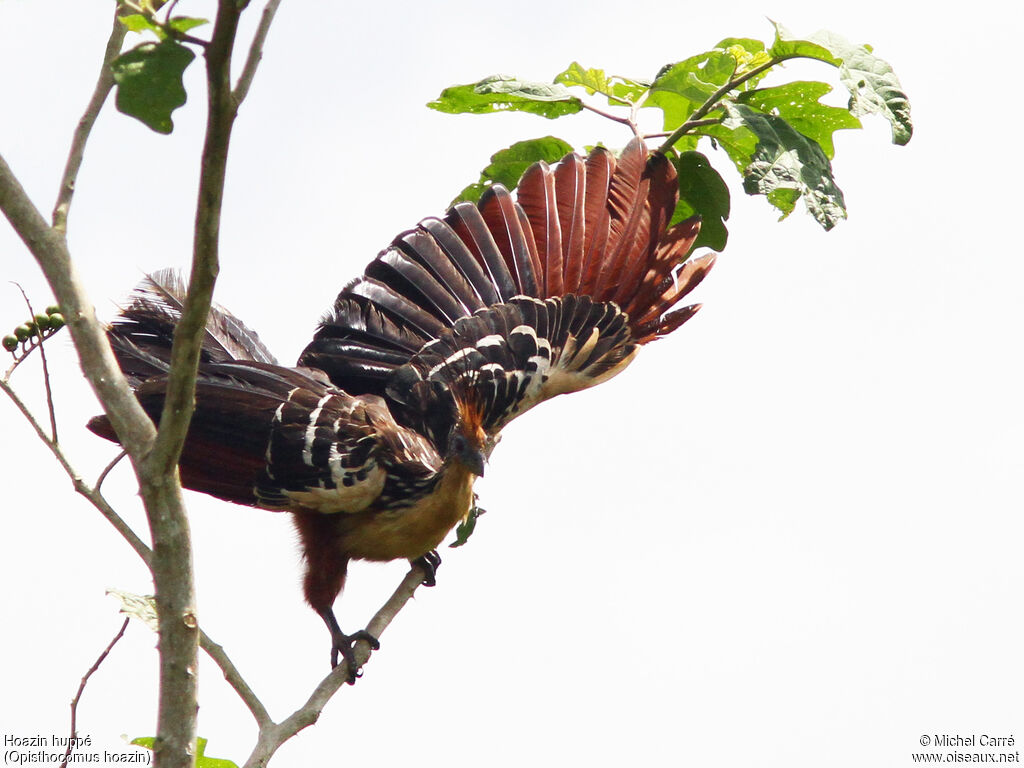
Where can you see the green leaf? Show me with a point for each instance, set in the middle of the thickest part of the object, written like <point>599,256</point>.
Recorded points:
<point>680,89</point>
<point>503,93</point>
<point>628,89</point>
<point>149,82</point>
<point>202,761</point>
<point>798,104</point>
<point>779,162</point>
<point>749,54</point>
<point>183,24</point>
<point>466,527</point>
<point>136,22</point>
<point>873,86</point>
<point>594,80</point>
<point>617,89</point>
<point>702,191</point>
<point>508,165</point>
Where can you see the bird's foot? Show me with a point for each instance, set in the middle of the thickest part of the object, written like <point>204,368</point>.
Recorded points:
<point>344,646</point>
<point>429,563</point>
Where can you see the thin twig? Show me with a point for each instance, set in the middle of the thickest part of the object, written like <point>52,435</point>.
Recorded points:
<point>46,368</point>
<point>81,689</point>
<point>272,736</point>
<point>255,52</point>
<point>104,83</point>
<point>608,115</point>
<point>170,9</point>
<point>106,470</point>
<point>185,37</point>
<point>93,495</point>
<point>235,680</point>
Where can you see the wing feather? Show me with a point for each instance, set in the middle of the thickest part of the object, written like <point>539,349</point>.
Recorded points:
<point>570,194</point>
<point>536,195</point>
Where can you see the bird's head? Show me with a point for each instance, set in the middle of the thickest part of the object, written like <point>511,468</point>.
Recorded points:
<point>469,442</point>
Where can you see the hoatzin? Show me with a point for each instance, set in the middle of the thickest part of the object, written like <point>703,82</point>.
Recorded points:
<point>374,441</point>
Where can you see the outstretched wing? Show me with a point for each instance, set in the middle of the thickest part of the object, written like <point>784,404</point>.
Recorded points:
<point>512,301</point>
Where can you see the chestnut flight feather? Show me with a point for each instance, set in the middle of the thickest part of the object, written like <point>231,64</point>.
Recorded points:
<point>374,440</point>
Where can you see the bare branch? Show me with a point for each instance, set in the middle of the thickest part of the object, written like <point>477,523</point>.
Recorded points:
<point>81,690</point>
<point>609,115</point>
<point>103,85</point>
<point>158,481</point>
<point>48,246</point>
<point>92,494</point>
<point>106,470</point>
<point>255,52</point>
<point>235,680</point>
<point>272,735</point>
<point>188,335</point>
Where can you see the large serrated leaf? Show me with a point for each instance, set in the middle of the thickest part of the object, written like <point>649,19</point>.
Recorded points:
<point>873,86</point>
<point>503,93</point>
<point>778,161</point>
<point>508,165</point>
<point>681,88</point>
<point>798,103</point>
<point>702,192</point>
<point>149,82</point>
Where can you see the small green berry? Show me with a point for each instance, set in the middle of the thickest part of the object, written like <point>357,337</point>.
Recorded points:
<point>43,321</point>
<point>56,321</point>
<point>53,309</point>
<point>10,343</point>
<point>23,331</point>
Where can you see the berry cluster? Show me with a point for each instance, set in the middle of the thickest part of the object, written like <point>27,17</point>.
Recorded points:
<point>28,335</point>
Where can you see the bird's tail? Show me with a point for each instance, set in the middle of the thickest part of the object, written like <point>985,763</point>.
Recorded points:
<point>237,391</point>
<point>143,331</point>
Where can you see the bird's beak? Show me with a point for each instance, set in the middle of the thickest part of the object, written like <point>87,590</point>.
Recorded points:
<point>475,461</point>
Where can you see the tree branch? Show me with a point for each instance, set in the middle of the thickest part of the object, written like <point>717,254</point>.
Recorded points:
<point>81,487</point>
<point>235,680</point>
<point>255,52</point>
<point>273,735</point>
<point>49,247</point>
<point>188,335</point>
<point>103,85</point>
<point>172,547</point>
<point>93,495</point>
<point>81,690</point>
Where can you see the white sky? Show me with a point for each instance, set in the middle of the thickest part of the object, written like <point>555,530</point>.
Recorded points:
<point>790,535</point>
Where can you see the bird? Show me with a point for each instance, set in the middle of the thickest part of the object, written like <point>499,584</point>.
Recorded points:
<point>373,440</point>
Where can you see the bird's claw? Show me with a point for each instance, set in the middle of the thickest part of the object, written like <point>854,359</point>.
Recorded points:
<point>429,563</point>
<point>344,646</point>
